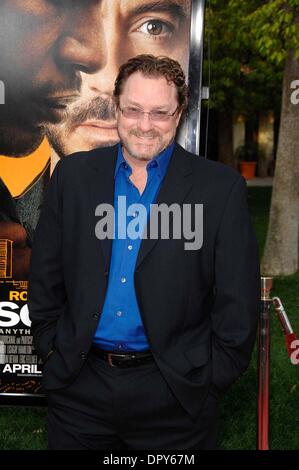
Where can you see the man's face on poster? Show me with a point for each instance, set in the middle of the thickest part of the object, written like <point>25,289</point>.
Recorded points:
<point>125,28</point>
<point>44,44</point>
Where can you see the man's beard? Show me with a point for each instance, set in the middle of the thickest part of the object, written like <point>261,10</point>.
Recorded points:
<point>60,136</point>
<point>18,142</point>
<point>24,114</point>
<point>152,152</point>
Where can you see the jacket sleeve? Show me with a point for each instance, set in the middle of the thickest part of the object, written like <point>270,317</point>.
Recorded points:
<point>46,291</point>
<point>237,290</point>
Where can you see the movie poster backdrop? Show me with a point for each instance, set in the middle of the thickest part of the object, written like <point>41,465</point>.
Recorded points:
<point>58,62</point>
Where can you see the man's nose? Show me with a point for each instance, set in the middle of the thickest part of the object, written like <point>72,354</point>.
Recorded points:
<point>145,123</point>
<point>113,54</point>
<point>103,80</point>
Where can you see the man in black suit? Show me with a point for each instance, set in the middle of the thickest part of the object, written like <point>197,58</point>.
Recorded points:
<point>140,334</point>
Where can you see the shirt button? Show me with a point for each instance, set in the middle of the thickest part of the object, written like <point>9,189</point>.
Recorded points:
<point>123,280</point>
<point>130,248</point>
<point>119,313</point>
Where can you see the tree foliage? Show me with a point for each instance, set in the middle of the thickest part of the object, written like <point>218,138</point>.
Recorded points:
<point>254,60</point>
<point>249,41</point>
<point>275,28</point>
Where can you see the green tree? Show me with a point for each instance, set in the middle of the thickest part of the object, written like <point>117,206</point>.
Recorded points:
<point>255,62</point>
<point>275,32</point>
<point>242,80</point>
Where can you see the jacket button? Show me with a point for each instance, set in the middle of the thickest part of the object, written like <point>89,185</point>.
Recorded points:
<point>83,355</point>
<point>95,316</point>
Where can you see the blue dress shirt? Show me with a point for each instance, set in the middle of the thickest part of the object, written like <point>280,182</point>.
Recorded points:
<point>120,327</point>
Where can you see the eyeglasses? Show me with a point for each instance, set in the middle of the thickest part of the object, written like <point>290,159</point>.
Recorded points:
<point>135,113</point>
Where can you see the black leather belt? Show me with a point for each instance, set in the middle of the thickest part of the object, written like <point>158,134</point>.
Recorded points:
<point>115,359</point>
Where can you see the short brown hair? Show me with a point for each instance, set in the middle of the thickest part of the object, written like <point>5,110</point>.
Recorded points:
<point>151,66</point>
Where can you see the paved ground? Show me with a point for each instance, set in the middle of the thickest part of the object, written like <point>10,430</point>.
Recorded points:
<point>268,181</point>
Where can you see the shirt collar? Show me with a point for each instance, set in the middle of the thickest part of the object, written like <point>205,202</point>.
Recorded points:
<point>120,161</point>
<point>161,161</point>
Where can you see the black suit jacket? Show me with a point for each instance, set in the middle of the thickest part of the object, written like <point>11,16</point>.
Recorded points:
<point>199,308</point>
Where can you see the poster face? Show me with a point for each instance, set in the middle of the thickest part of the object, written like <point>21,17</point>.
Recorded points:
<point>59,60</point>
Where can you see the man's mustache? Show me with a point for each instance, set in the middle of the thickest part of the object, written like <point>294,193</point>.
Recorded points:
<point>98,108</point>
<point>150,134</point>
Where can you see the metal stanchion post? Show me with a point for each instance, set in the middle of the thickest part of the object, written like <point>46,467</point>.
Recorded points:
<point>264,364</point>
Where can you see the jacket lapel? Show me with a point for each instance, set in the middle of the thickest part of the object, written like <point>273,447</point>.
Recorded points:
<point>176,185</point>
<point>101,190</point>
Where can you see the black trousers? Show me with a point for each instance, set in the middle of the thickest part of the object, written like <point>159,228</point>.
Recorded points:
<point>134,408</point>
